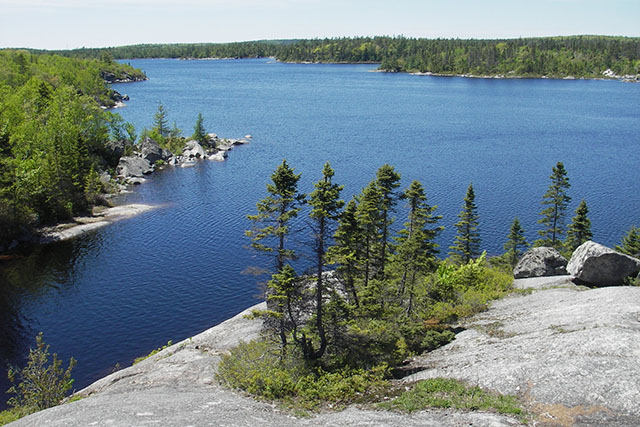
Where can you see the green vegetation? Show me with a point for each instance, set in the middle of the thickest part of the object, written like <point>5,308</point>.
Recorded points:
<point>553,215</point>
<point>331,335</point>
<point>579,56</point>
<point>41,384</point>
<point>630,244</point>
<point>450,393</point>
<point>153,352</point>
<point>467,242</point>
<point>579,229</point>
<point>516,243</point>
<point>53,136</point>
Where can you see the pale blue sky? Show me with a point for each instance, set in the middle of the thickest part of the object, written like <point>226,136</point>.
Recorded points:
<point>64,24</point>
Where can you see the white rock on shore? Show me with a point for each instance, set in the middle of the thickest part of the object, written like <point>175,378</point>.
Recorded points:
<point>84,225</point>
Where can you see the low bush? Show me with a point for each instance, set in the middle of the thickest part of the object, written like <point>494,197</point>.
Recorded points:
<point>450,393</point>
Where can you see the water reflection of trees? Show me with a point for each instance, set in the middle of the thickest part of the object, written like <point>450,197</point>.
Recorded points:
<point>26,280</point>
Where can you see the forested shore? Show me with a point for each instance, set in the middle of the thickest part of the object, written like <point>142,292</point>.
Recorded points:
<point>54,131</point>
<point>577,56</point>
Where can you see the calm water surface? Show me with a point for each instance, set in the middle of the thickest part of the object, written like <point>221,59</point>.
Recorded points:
<point>175,271</point>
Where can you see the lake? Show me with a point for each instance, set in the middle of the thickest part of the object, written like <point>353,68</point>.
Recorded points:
<point>175,271</point>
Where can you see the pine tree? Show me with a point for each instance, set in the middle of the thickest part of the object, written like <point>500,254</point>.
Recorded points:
<point>516,243</point>
<point>271,226</point>
<point>325,210</point>
<point>160,121</point>
<point>199,133</point>
<point>466,245</point>
<point>387,180</point>
<point>630,244</point>
<point>556,200</point>
<point>368,217</point>
<point>416,250</point>
<point>579,229</point>
<point>347,250</point>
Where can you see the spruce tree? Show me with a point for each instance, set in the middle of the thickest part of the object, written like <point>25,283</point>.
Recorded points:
<point>199,133</point>
<point>346,252</point>
<point>271,227</point>
<point>556,201</point>
<point>466,245</point>
<point>580,228</point>
<point>368,217</point>
<point>160,121</point>
<point>416,249</point>
<point>630,244</point>
<point>387,181</point>
<point>516,244</point>
<point>325,205</point>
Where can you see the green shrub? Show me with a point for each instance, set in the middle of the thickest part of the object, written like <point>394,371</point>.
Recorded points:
<point>259,368</point>
<point>13,414</point>
<point>153,352</point>
<point>41,384</point>
<point>450,393</point>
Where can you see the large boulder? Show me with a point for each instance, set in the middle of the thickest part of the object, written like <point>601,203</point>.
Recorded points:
<point>595,264</point>
<point>150,150</point>
<point>193,149</point>
<point>542,261</point>
<point>133,166</point>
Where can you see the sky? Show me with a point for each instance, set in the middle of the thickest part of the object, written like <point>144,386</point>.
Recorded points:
<point>68,24</point>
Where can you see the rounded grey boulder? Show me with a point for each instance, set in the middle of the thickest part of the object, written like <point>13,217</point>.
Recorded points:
<point>542,261</point>
<point>596,264</point>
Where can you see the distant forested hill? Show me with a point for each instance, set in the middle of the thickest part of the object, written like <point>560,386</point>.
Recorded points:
<point>579,56</point>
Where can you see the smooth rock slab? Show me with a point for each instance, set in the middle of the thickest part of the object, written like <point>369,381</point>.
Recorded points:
<point>599,265</point>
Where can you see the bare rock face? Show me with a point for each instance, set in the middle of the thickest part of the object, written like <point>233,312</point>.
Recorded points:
<point>596,264</point>
<point>193,149</point>
<point>133,166</point>
<point>537,262</point>
<point>151,150</point>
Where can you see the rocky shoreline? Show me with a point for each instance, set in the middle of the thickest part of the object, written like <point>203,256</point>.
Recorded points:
<point>568,351</point>
<point>606,75</point>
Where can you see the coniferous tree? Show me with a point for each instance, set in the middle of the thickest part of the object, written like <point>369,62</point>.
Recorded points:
<point>199,133</point>
<point>416,249</point>
<point>271,226</point>
<point>580,228</point>
<point>325,205</point>
<point>347,250</point>
<point>387,180</point>
<point>516,243</point>
<point>368,217</point>
<point>160,121</point>
<point>556,201</point>
<point>630,244</point>
<point>466,245</point>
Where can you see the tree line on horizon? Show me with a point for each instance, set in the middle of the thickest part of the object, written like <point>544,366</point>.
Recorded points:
<point>579,56</point>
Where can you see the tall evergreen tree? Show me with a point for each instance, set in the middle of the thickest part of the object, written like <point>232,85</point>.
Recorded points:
<point>347,249</point>
<point>580,228</point>
<point>325,210</point>
<point>160,121</point>
<point>630,244</point>
<point>272,224</point>
<point>556,201</point>
<point>516,243</point>
<point>368,217</point>
<point>466,245</point>
<point>387,180</point>
<point>416,249</point>
<point>199,133</point>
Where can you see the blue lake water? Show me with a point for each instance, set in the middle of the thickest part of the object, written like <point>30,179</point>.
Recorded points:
<point>175,271</point>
